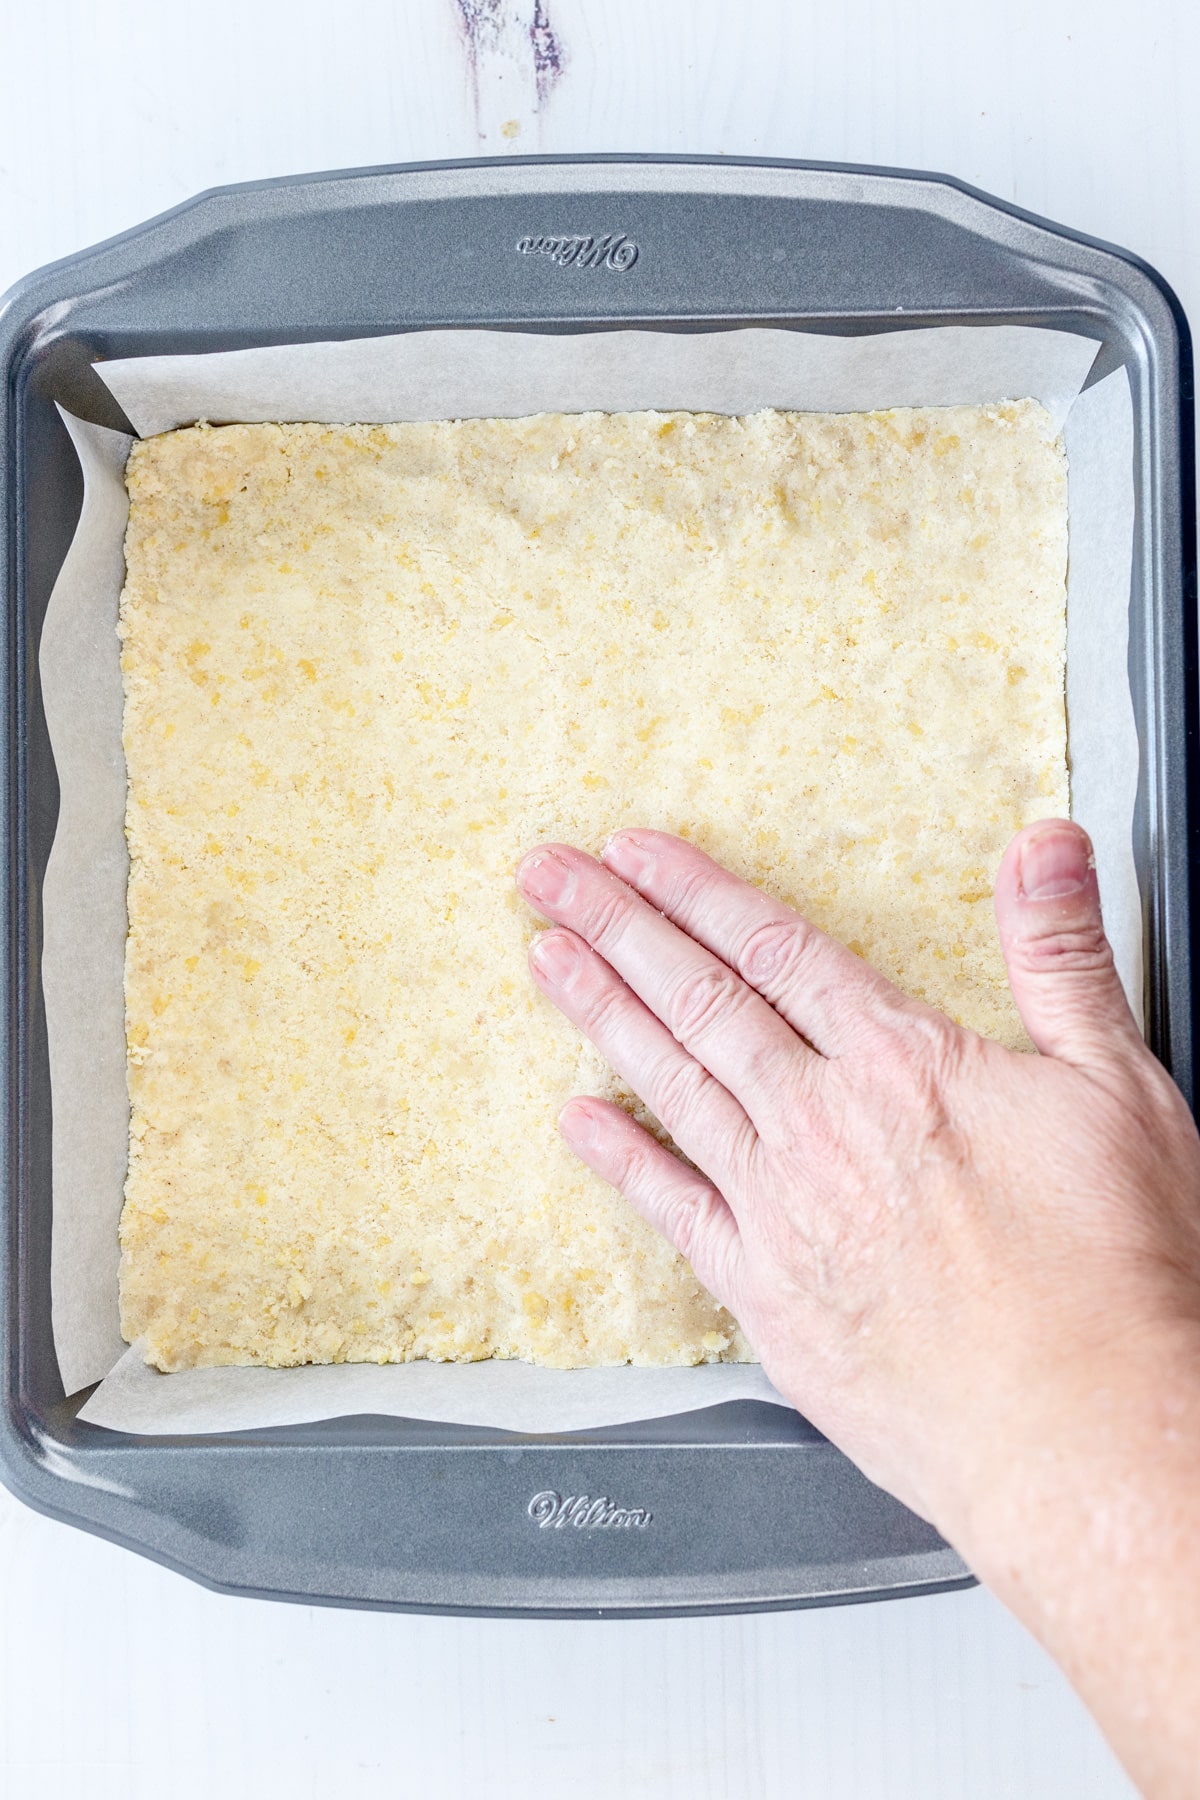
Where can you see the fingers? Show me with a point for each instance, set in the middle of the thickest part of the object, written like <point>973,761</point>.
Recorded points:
<point>1060,966</point>
<point>708,1008</point>
<point>703,1118</point>
<point>687,1209</point>
<point>816,984</point>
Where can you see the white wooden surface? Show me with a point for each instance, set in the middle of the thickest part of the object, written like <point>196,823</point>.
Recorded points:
<point>120,1679</point>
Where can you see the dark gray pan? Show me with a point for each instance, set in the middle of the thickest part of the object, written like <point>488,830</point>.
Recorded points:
<point>749,1506</point>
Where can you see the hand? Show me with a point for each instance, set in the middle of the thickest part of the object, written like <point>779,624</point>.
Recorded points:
<point>939,1248</point>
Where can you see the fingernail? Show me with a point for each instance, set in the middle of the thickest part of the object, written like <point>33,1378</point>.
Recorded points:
<point>555,955</point>
<point>625,856</point>
<point>544,876</point>
<point>1054,864</point>
<point>577,1122</point>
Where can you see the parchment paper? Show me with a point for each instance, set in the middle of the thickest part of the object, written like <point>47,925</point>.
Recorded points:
<point>83,916</point>
<point>446,374</point>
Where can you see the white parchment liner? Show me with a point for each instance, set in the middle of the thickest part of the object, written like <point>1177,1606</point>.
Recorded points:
<point>455,374</point>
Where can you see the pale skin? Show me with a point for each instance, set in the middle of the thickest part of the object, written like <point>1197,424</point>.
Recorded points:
<point>977,1271</point>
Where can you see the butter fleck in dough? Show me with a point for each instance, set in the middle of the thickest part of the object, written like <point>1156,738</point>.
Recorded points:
<point>366,668</point>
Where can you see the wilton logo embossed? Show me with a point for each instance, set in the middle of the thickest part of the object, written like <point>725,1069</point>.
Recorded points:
<point>615,251</point>
<point>552,1510</point>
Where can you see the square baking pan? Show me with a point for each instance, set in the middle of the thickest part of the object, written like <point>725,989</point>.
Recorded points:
<point>742,1506</point>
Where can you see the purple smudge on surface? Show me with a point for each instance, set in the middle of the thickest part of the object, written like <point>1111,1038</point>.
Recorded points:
<point>485,24</point>
<point>480,21</point>
<point>547,53</point>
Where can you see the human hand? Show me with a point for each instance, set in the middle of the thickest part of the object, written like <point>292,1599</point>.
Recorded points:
<point>938,1247</point>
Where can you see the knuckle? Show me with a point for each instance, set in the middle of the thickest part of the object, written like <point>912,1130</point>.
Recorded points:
<point>678,1088</point>
<point>701,999</point>
<point>937,1063</point>
<point>821,1142</point>
<point>688,889</point>
<point>609,914</point>
<point>1083,948</point>
<point>599,1001</point>
<point>769,1066</point>
<point>776,949</point>
<point>632,1164</point>
<point>681,1221</point>
<point>938,1050</point>
<point>679,1203</point>
<point>921,1050</point>
<point>690,1219</point>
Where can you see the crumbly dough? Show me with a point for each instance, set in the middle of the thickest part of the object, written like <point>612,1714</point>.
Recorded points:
<point>367,668</point>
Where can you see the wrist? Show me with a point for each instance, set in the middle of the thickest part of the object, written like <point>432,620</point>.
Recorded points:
<point>1083,1524</point>
<point>1095,1454</point>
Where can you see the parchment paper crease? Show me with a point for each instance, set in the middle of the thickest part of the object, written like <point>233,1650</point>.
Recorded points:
<point>446,374</point>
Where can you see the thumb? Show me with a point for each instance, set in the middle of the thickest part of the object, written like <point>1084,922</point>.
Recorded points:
<point>1060,964</point>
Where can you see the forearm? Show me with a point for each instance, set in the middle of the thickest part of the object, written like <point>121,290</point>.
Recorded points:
<point>1090,1533</point>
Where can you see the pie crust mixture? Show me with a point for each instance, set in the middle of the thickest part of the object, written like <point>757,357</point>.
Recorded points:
<point>368,667</point>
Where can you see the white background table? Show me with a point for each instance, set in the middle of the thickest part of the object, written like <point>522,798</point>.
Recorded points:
<point>121,1681</point>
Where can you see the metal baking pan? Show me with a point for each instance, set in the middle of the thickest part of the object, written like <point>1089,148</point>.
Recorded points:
<point>741,1506</point>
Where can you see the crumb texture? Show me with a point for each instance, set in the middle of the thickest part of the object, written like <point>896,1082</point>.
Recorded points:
<point>367,668</point>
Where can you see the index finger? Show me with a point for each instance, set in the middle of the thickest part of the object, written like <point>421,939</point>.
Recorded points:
<point>724,1024</point>
<point>822,989</point>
